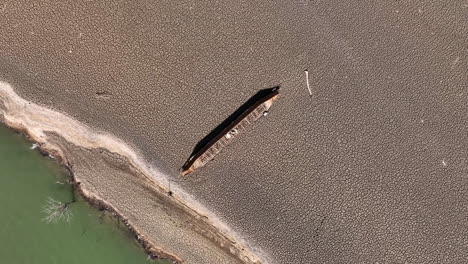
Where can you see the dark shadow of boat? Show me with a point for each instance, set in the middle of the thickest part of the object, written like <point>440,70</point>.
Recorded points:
<point>227,122</point>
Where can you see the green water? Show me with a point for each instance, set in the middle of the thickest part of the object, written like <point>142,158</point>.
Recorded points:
<point>27,180</point>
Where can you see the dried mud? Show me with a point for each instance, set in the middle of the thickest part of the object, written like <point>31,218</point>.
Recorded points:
<point>111,176</point>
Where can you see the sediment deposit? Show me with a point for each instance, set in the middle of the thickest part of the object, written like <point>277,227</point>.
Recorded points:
<point>168,222</point>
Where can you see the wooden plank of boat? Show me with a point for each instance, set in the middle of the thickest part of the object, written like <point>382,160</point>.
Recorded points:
<point>204,155</point>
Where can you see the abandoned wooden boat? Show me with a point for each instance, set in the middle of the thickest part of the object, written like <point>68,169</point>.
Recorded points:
<point>213,147</point>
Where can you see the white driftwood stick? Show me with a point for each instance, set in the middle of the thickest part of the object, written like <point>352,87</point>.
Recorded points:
<point>307,81</point>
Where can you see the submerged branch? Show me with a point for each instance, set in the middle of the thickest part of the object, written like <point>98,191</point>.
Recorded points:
<point>56,211</point>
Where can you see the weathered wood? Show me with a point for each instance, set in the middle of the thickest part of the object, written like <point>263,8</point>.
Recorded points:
<point>226,136</point>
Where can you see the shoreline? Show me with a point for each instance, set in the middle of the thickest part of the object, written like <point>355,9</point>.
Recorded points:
<point>152,251</point>
<point>53,131</point>
<point>101,205</point>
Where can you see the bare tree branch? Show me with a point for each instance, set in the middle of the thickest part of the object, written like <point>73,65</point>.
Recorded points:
<point>56,210</point>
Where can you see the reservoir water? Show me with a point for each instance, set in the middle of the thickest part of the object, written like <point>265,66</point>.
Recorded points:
<point>28,181</point>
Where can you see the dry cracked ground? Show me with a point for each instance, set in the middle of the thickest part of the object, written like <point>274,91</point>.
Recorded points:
<point>373,167</point>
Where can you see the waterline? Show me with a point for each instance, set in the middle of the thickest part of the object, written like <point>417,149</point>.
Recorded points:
<point>27,181</point>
